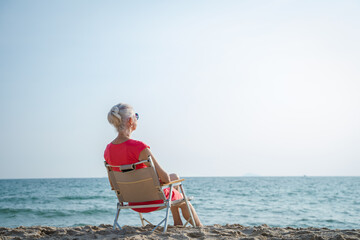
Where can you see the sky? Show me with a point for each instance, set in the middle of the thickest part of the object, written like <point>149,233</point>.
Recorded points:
<point>223,88</point>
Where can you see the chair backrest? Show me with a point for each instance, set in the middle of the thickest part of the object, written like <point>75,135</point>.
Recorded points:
<point>138,185</point>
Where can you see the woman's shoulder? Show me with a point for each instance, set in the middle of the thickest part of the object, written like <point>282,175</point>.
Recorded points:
<point>108,146</point>
<point>134,142</point>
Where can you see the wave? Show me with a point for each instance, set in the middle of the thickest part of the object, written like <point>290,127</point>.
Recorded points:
<point>34,199</point>
<point>83,197</point>
<point>14,199</point>
<point>52,213</point>
<point>15,211</point>
<point>33,212</point>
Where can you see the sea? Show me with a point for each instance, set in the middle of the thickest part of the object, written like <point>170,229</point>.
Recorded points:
<point>299,202</point>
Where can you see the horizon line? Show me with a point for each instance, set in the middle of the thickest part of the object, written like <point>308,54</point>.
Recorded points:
<point>243,176</point>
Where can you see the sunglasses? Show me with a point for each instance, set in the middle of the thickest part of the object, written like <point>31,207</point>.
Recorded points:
<point>137,116</point>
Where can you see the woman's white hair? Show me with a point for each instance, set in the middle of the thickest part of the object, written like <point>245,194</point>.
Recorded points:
<point>118,116</point>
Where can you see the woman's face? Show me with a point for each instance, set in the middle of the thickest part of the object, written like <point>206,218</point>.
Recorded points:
<point>133,122</point>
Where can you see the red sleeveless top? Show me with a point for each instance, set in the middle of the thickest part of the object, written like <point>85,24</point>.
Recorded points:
<point>124,153</point>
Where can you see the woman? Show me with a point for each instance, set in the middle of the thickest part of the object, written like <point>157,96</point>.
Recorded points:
<point>124,150</point>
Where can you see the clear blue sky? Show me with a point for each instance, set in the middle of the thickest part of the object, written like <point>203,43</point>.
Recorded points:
<point>223,88</point>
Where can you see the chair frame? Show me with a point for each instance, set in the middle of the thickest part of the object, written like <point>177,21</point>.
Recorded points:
<point>167,201</point>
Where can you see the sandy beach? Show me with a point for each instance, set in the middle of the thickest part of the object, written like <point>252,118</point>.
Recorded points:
<point>234,231</point>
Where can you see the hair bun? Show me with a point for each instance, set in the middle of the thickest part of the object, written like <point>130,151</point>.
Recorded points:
<point>115,111</point>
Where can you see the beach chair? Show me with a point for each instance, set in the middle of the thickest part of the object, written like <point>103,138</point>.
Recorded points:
<point>142,185</point>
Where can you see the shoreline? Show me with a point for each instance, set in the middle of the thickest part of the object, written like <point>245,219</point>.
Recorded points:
<point>228,231</point>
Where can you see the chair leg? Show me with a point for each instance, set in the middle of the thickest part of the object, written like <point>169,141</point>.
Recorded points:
<point>168,209</point>
<point>187,221</point>
<point>116,224</point>
<point>187,204</point>
<point>142,219</point>
<point>158,225</point>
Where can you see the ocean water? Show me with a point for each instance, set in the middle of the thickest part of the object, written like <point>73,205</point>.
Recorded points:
<point>332,202</point>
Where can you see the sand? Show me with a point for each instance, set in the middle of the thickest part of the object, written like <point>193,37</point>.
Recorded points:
<point>234,231</point>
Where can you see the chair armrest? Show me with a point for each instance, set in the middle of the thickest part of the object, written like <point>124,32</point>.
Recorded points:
<point>173,182</point>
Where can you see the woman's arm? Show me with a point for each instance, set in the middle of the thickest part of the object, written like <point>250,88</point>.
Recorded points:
<point>164,177</point>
